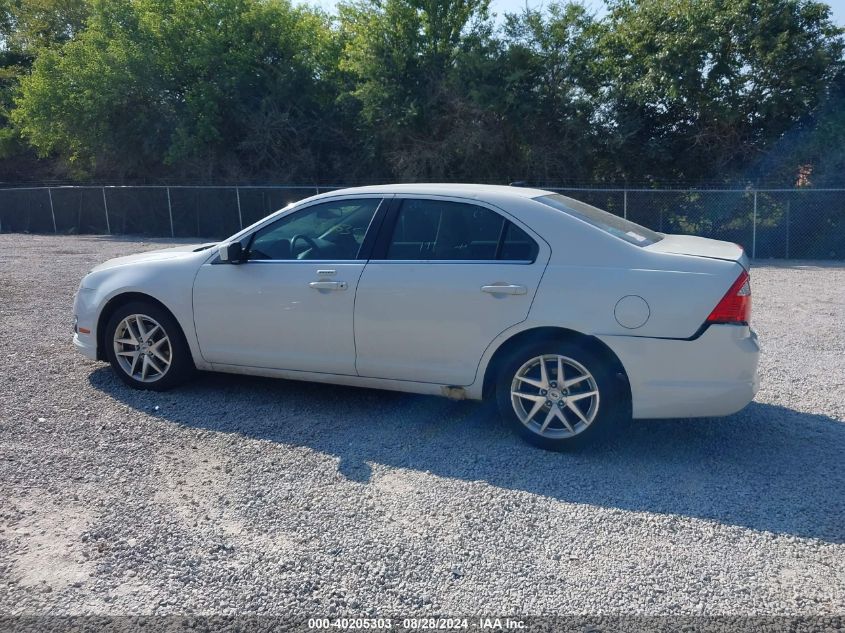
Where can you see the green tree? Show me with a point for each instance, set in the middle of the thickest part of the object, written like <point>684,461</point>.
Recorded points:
<point>552,93</point>
<point>401,58</point>
<point>26,28</point>
<point>657,90</point>
<point>224,89</point>
<point>699,88</point>
<point>812,152</point>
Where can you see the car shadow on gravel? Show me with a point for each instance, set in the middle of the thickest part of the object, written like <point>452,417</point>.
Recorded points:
<point>768,468</point>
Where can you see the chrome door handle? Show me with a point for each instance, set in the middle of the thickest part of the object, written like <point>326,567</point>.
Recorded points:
<point>505,289</point>
<point>328,285</point>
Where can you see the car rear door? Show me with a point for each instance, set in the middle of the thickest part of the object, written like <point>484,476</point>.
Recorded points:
<point>446,277</point>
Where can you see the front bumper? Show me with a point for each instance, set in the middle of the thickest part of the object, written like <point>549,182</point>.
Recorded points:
<point>713,375</point>
<point>85,345</point>
<point>84,323</point>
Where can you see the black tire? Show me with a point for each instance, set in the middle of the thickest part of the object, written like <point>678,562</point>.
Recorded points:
<point>612,401</point>
<point>181,366</point>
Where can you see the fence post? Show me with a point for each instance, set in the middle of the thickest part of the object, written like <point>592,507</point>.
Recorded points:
<point>170,213</point>
<point>625,204</point>
<point>52,210</point>
<point>106,208</point>
<point>240,217</point>
<point>754,229</point>
<point>788,208</point>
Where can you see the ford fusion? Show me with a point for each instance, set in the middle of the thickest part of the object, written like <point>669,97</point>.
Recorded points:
<point>570,318</point>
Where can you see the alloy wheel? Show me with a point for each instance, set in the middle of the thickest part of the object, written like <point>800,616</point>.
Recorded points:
<point>555,396</point>
<point>142,348</point>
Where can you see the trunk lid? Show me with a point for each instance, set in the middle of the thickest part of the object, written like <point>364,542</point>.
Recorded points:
<point>701,247</point>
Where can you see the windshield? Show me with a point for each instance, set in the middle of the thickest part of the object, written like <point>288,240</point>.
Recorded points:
<point>620,227</point>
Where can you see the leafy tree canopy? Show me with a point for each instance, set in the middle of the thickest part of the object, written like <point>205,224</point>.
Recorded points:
<point>658,91</point>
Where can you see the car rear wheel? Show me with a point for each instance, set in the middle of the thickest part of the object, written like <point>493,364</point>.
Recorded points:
<point>560,395</point>
<point>146,347</point>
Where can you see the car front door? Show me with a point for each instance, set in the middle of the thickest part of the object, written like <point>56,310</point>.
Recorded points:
<point>445,279</point>
<point>289,305</point>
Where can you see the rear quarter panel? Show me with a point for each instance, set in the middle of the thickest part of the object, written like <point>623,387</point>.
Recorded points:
<point>590,271</point>
<point>584,297</point>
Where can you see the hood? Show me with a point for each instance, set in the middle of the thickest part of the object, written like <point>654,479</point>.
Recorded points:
<point>183,250</point>
<point>701,247</point>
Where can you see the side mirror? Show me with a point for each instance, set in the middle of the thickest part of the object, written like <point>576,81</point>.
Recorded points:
<point>231,252</point>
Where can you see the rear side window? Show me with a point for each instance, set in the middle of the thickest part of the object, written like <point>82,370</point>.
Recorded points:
<point>441,230</point>
<point>620,227</point>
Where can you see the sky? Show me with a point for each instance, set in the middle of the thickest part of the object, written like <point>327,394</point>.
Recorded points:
<point>501,7</point>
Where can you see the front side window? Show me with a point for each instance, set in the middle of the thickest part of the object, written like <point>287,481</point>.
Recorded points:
<point>331,230</point>
<point>624,229</point>
<point>441,230</point>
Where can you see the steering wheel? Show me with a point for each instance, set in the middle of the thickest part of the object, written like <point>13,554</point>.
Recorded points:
<point>304,238</point>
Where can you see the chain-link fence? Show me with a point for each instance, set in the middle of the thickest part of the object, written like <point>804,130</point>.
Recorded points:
<point>769,223</point>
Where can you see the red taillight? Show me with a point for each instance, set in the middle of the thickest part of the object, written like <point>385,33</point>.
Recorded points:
<point>735,306</point>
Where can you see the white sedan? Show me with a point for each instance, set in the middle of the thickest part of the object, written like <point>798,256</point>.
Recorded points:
<point>571,318</point>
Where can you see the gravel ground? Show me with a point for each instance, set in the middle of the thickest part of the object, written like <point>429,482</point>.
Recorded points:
<point>244,495</point>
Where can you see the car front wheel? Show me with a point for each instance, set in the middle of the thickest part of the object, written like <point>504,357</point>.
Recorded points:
<point>146,348</point>
<point>560,395</point>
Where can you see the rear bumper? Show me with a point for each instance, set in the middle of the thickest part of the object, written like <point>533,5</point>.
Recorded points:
<point>713,375</point>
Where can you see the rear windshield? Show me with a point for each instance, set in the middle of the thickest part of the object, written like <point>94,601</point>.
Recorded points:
<point>613,224</point>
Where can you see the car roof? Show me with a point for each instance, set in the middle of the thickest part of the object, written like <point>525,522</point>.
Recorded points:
<point>445,189</point>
